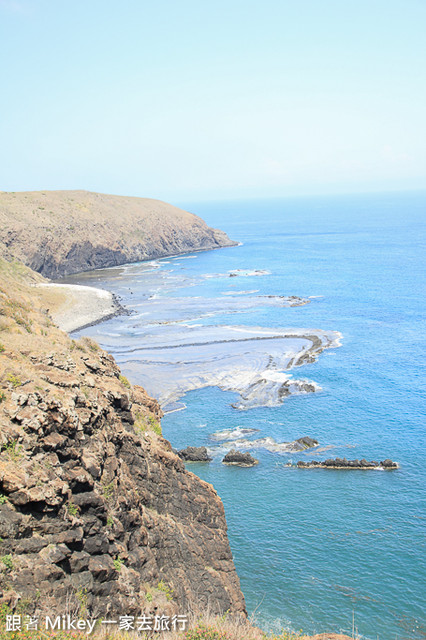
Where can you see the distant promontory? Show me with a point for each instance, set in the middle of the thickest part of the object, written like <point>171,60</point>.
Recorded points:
<point>58,233</point>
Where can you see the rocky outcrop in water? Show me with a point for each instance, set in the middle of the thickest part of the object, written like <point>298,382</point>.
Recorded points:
<point>342,463</point>
<point>94,504</point>
<point>58,233</point>
<point>240,459</point>
<point>304,443</point>
<point>194,454</point>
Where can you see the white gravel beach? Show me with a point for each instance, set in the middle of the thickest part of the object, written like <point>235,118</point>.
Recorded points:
<point>80,305</point>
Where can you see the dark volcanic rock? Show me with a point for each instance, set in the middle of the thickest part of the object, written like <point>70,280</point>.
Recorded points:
<point>304,443</point>
<point>389,464</point>
<point>92,500</point>
<point>240,458</point>
<point>342,463</point>
<point>194,454</point>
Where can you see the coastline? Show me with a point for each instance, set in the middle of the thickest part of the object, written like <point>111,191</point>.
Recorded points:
<point>146,229</point>
<point>108,431</point>
<point>79,306</point>
<point>299,479</point>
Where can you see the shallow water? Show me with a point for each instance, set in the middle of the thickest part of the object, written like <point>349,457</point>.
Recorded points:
<point>312,547</point>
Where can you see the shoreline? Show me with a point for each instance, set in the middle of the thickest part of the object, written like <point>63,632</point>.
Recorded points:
<point>81,306</point>
<point>94,305</point>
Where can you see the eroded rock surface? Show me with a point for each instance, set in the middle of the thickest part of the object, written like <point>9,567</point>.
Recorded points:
<point>93,500</point>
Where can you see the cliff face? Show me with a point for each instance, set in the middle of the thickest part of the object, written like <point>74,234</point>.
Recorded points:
<point>94,504</point>
<point>58,233</point>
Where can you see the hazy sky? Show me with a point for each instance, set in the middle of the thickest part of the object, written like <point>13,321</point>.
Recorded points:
<point>185,99</point>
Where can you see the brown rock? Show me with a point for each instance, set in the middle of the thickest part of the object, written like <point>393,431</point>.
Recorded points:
<point>77,241</point>
<point>54,553</point>
<point>84,490</point>
<point>54,441</point>
<point>79,561</point>
<point>102,568</point>
<point>13,479</point>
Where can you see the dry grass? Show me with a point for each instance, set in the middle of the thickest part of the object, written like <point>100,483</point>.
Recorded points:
<point>205,627</point>
<point>53,223</point>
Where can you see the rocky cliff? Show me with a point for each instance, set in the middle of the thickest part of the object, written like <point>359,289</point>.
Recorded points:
<point>58,233</point>
<point>95,508</point>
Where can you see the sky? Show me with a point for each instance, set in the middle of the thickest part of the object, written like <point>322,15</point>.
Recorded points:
<point>189,100</point>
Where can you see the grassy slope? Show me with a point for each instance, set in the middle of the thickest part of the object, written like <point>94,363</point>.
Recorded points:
<point>38,227</point>
<point>23,306</point>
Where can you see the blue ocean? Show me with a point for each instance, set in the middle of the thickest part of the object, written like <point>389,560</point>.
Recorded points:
<point>318,550</point>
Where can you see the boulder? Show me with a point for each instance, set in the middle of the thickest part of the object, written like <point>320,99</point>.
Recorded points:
<point>389,464</point>
<point>194,454</point>
<point>306,443</point>
<point>240,458</point>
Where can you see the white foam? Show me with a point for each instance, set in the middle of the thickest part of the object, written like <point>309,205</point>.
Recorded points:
<point>246,273</point>
<point>234,432</point>
<point>186,258</point>
<point>267,443</point>
<point>254,362</point>
<point>239,293</point>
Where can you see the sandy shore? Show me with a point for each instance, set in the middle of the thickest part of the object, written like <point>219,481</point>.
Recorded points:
<point>74,306</point>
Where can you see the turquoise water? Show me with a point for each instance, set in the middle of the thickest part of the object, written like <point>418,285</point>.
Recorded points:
<point>313,548</point>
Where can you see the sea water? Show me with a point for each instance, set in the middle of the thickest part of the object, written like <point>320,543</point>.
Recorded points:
<point>314,549</point>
